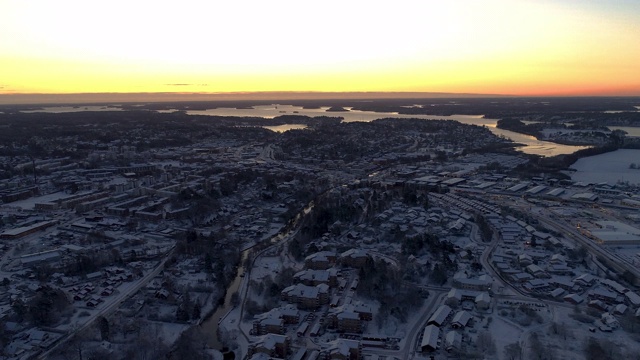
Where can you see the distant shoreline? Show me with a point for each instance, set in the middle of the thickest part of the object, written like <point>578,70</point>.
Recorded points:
<point>105,98</point>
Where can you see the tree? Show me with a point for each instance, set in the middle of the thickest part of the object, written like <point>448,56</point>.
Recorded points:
<point>208,263</point>
<point>184,310</point>
<point>103,325</point>
<point>537,349</point>
<point>4,337</point>
<point>485,343</point>
<point>593,350</point>
<point>513,351</point>
<point>438,274</point>
<point>197,309</point>
<point>235,298</point>
<point>190,345</point>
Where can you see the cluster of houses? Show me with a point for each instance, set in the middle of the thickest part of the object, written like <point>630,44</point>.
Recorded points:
<point>431,335</point>
<point>312,290</point>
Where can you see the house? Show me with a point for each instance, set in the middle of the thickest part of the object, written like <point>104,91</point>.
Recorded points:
<point>272,345</point>
<point>320,261</point>
<point>461,319</point>
<point>557,292</point>
<point>536,271</point>
<point>585,280</point>
<point>525,260</point>
<point>162,294</point>
<point>557,259</point>
<point>439,316</point>
<point>536,285</point>
<point>573,298</point>
<point>483,301</point>
<point>632,298</point>
<point>354,258</point>
<point>610,320</point>
<point>345,349</point>
<point>453,341</point>
<point>598,305</point>
<point>521,277</point>
<point>454,296</point>
<point>316,277</point>
<point>565,284</point>
<point>430,337</point>
<point>613,285</point>
<point>481,283</point>
<point>600,293</point>
<point>620,309</point>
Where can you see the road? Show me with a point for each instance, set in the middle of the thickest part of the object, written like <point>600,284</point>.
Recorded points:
<point>569,231</point>
<point>413,334</point>
<point>112,305</point>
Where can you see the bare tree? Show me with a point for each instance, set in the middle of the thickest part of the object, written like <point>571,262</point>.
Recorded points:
<point>485,343</point>
<point>513,351</point>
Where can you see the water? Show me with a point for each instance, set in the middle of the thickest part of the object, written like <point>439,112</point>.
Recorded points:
<point>211,324</point>
<point>64,109</point>
<point>630,130</point>
<point>531,144</point>
<point>285,127</point>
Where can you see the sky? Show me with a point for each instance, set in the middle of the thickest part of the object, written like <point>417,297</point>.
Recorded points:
<point>514,47</point>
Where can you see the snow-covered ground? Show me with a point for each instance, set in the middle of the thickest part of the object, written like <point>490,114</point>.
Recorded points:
<point>610,167</point>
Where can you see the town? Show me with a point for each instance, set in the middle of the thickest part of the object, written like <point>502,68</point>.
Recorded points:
<point>142,234</point>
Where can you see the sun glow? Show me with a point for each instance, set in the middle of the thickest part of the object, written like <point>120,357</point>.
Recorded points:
<point>496,46</point>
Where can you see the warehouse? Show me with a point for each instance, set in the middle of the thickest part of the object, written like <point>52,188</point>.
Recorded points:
<point>616,233</point>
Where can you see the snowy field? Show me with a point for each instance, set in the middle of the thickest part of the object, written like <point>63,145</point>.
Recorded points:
<point>610,167</point>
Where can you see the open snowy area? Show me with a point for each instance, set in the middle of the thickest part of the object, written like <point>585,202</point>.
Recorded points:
<point>610,167</point>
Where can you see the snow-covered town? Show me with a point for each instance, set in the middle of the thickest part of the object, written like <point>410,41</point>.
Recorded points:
<point>166,235</point>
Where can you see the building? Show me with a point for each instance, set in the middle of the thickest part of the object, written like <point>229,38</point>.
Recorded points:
<point>344,349</point>
<point>271,345</point>
<point>40,258</point>
<point>483,301</point>
<point>453,341</point>
<point>585,280</point>
<point>461,319</point>
<point>320,261</point>
<point>268,326</point>
<point>482,283</point>
<point>349,321</point>
<point>354,258</point>
<point>307,297</point>
<point>317,277</point>
<point>430,337</point>
<point>573,298</point>
<point>23,231</point>
<point>615,233</point>
<point>440,316</point>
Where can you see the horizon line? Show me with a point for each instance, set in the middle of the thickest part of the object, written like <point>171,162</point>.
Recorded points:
<point>109,97</point>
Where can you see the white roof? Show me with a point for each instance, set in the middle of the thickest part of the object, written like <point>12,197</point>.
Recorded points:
<point>462,318</point>
<point>430,336</point>
<point>440,315</point>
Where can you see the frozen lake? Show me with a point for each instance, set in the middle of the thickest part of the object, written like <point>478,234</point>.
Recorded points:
<point>610,167</point>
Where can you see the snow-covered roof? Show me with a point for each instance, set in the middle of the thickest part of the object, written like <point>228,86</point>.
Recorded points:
<point>440,315</point>
<point>430,337</point>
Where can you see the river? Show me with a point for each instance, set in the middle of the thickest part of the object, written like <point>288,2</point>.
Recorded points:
<point>210,324</point>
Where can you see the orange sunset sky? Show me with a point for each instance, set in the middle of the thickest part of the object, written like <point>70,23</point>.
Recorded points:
<point>517,47</point>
